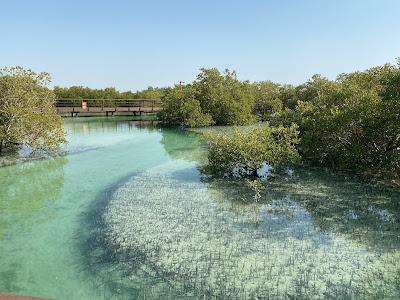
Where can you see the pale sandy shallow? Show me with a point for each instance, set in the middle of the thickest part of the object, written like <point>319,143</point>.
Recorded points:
<point>188,233</point>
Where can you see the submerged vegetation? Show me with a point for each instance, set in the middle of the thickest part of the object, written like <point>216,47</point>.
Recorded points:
<point>207,245</point>
<point>147,224</point>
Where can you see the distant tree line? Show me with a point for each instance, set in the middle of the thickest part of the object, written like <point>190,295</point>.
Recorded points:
<point>80,92</point>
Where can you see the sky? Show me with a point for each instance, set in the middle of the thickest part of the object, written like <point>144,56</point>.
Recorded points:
<point>135,44</point>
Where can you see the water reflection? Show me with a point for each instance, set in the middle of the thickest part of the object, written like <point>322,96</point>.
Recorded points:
<point>183,145</point>
<point>95,125</point>
<point>366,214</point>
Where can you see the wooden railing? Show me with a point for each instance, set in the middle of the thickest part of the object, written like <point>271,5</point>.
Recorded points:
<point>108,103</point>
<point>73,107</point>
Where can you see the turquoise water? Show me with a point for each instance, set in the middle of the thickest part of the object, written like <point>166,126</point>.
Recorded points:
<point>128,214</point>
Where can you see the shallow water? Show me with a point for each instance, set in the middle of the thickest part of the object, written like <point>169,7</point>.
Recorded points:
<point>127,214</point>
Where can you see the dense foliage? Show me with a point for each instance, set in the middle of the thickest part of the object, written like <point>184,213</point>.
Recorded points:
<point>27,114</point>
<point>180,107</point>
<point>352,122</point>
<point>228,100</point>
<point>268,100</point>
<point>249,149</point>
<point>214,98</point>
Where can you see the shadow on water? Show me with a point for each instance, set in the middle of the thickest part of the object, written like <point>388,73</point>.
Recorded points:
<point>301,227</point>
<point>100,258</point>
<point>119,274</point>
<point>315,203</point>
<point>364,213</point>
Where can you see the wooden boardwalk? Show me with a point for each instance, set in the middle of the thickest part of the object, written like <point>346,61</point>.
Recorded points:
<point>108,107</point>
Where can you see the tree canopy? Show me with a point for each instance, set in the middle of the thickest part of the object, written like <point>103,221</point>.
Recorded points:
<point>27,113</point>
<point>350,123</point>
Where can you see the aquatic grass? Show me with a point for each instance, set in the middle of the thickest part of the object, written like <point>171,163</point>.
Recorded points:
<point>190,234</point>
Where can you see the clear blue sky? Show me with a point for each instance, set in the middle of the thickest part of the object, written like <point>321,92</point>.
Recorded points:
<point>134,44</point>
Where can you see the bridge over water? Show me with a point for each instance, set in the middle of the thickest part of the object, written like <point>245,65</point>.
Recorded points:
<point>73,107</point>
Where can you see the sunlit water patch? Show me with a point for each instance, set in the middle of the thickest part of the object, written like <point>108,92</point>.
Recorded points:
<point>127,214</point>
<point>189,233</point>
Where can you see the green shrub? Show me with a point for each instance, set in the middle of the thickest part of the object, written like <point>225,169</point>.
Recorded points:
<point>180,107</point>
<point>27,114</point>
<point>353,122</point>
<point>267,99</point>
<point>250,149</point>
<point>228,100</point>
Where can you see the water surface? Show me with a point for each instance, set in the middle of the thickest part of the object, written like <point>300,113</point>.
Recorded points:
<point>127,214</point>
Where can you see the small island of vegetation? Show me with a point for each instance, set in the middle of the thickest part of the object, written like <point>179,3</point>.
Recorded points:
<point>351,123</point>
